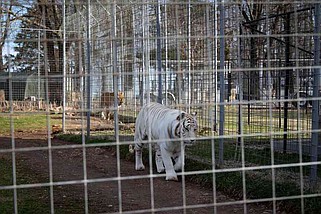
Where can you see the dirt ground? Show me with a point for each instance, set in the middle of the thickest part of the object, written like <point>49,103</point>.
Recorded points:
<point>104,190</point>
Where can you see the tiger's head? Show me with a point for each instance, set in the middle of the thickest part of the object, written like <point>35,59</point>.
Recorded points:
<point>121,98</point>
<point>187,127</point>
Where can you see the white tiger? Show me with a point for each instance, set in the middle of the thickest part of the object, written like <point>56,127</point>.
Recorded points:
<point>161,123</point>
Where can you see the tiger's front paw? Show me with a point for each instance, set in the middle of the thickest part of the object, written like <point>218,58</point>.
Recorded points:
<point>160,166</point>
<point>139,167</point>
<point>171,177</point>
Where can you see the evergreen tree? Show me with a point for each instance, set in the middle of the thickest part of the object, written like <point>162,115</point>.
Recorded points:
<point>40,41</point>
<point>28,46</point>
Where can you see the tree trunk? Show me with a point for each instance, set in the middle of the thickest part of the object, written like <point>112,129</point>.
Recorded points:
<point>254,75</point>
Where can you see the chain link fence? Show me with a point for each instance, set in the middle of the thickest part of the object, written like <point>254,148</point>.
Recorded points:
<point>74,75</point>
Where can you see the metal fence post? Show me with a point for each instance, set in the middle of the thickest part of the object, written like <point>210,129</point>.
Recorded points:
<point>88,69</point>
<point>316,88</point>
<point>159,53</point>
<point>222,80</point>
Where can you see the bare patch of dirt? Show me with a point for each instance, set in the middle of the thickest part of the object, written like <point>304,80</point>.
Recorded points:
<point>105,192</point>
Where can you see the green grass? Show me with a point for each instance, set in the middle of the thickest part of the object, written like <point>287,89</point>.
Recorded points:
<point>35,200</point>
<point>25,122</point>
<point>257,157</point>
<point>260,119</point>
<point>257,187</point>
<point>258,182</point>
<point>6,196</point>
<point>259,122</point>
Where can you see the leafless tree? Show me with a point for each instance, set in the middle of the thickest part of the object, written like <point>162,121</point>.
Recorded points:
<point>6,18</point>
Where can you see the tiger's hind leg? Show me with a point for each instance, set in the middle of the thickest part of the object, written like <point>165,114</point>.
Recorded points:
<point>139,154</point>
<point>158,159</point>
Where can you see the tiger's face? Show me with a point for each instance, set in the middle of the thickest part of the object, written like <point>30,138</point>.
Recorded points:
<point>187,128</point>
<point>121,98</point>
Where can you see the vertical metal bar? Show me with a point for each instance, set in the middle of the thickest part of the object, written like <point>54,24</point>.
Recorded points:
<point>209,63</point>
<point>316,88</point>
<point>241,130</point>
<point>270,106</point>
<point>299,117</point>
<point>52,209</point>
<point>142,79</point>
<point>211,82</point>
<point>82,107</point>
<point>215,64</point>
<point>134,67</point>
<point>178,51</point>
<point>88,107</point>
<point>166,83</point>
<point>115,84</point>
<point>249,98</point>
<point>122,53</point>
<point>240,88</point>
<point>189,101</point>
<point>88,69</point>
<point>147,48</point>
<point>39,71</point>
<point>64,66</point>
<point>82,97</point>
<point>287,80</point>
<point>222,80</point>
<point>279,97</point>
<point>13,142</point>
<point>141,64</point>
<point>146,11</point>
<point>115,69</point>
<point>80,71</point>
<point>240,120</point>
<point>159,53</point>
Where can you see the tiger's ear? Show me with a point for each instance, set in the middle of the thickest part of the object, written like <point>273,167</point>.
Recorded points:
<point>121,94</point>
<point>179,117</point>
<point>194,114</point>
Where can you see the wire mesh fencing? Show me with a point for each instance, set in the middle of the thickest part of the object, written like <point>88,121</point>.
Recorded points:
<point>75,74</point>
